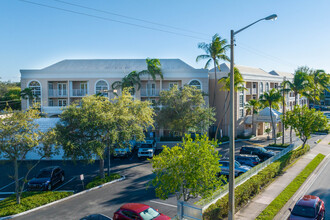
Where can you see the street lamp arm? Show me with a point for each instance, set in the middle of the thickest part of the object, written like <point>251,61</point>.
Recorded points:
<point>271,17</point>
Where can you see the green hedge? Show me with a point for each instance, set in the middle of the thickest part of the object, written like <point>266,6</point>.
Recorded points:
<point>249,189</point>
<point>276,205</point>
<point>279,145</point>
<point>29,200</point>
<point>244,137</point>
<point>98,181</point>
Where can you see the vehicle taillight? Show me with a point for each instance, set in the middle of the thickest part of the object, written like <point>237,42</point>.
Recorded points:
<point>115,216</point>
<point>255,162</point>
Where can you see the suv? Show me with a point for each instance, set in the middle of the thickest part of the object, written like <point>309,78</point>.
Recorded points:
<point>261,152</point>
<point>247,159</point>
<point>239,169</point>
<point>47,178</point>
<point>308,207</point>
<point>147,149</point>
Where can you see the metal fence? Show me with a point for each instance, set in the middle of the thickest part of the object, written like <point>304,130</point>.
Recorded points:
<point>205,203</point>
<point>188,211</point>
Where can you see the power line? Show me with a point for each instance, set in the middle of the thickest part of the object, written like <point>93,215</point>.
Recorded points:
<point>112,20</point>
<point>131,18</point>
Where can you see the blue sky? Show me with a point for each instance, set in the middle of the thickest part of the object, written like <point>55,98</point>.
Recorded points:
<point>33,36</point>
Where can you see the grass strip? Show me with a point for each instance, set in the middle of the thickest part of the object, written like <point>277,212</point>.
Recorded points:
<point>276,205</point>
<point>29,200</point>
<point>98,181</point>
<point>249,189</point>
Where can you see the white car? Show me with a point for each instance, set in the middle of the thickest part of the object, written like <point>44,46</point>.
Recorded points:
<point>122,152</point>
<point>147,149</point>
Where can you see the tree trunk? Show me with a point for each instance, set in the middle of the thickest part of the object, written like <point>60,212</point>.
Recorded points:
<point>223,118</point>
<point>253,124</point>
<point>101,168</point>
<point>271,117</point>
<point>109,160</point>
<point>215,83</point>
<point>18,198</point>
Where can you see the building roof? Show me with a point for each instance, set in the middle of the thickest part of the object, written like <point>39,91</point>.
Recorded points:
<point>249,73</point>
<point>282,74</point>
<point>102,67</point>
<point>264,115</point>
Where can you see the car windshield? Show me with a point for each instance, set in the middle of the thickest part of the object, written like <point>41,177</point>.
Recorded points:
<point>304,211</point>
<point>44,174</point>
<point>146,146</point>
<point>149,214</point>
<point>237,164</point>
<point>263,149</point>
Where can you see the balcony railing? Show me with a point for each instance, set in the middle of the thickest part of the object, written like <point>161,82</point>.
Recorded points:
<point>248,91</point>
<point>254,91</point>
<point>57,93</point>
<point>52,109</point>
<point>149,92</point>
<point>78,92</point>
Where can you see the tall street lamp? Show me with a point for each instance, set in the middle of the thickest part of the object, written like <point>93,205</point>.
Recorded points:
<point>109,153</point>
<point>232,119</point>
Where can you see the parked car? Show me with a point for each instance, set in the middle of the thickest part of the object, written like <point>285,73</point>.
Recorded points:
<point>261,152</point>
<point>308,207</point>
<point>147,149</point>
<point>248,159</point>
<point>137,211</point>
<point>239,169</point>
<point>122,152</point>
<point>47,178</point>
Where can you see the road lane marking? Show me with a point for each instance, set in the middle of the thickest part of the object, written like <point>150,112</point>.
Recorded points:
<point>174,206</point>
<point>65,183</point>
<point>10,184</point>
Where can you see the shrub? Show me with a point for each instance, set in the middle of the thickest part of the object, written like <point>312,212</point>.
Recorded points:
<point>279,145</point>
<point>224,139</point>
<point>244,137</point>
<point>29,200</point>
<point>98,181</point>
<point>251,187</point>
<point>278,134</point>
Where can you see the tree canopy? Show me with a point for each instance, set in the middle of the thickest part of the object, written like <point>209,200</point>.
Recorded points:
<point>189,170</point>
<point>184,110</point>
<point>85,131</point>
<point>305,121</point>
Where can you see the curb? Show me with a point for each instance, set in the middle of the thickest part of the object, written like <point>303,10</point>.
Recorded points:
<point>62,200</point>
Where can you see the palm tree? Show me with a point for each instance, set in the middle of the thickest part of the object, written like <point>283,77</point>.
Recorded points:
<point>238,86</point>
<point>27,94</point>
<point>129,81</point>
<point>271,98</point>
<point>284,91</point>
<point>320,81</point>
<point>153,70</point>
<point>299,85</point>
<point>215,51</point>
<point>252,107</point>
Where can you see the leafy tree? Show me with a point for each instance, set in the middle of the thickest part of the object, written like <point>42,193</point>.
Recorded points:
<point>153,70</point>
<point>305,121</point>
<point>184,110</point>
<point>271,98</point>
<point>238,86</point>
<point>253,106</point>
<point>19,135</point>
<point>189,170</point>
<point>86,131</point>
<point>284,91</point>
<point>214,52</point>
<point>130,81</point>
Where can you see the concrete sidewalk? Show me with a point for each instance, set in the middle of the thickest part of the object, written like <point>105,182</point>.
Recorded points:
<point>263,199</point>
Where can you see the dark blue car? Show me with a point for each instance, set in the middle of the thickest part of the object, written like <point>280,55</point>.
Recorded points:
<point>46,179</point>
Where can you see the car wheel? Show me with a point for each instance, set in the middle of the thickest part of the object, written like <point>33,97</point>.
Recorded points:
<point>62,178</point>
<point>49,188</point>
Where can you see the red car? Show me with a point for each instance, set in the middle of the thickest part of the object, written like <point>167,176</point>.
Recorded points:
<point>308,207</point>
<point>137,211</point>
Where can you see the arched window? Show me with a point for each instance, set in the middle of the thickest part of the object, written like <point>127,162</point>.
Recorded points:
<point>267,87</point>
<point>261,88</point>
<point>36,92</point>
<point>100,88</point>
<point>195,83</point>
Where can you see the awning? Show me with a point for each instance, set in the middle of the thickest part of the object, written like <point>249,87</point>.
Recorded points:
<point>264,115</point>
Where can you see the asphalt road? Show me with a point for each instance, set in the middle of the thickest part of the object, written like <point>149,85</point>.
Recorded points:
<point>321,188</point>
<point>133,189</point>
